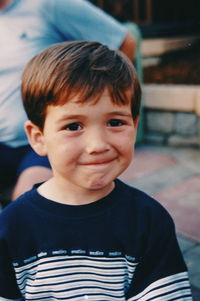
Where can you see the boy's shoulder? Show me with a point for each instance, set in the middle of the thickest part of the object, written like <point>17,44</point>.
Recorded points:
<point>139,202</point>
<point>136,196</point>
<point>12,214</point>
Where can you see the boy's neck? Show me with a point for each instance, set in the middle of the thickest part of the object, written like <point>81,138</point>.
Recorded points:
<point>72,195</point>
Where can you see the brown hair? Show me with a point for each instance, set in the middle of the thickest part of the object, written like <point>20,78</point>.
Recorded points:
<point>77,68</point>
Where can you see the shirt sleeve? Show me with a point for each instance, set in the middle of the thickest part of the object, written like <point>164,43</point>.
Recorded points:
<point>8,286</point>
<point>162,273</point>
<point>81,20</point>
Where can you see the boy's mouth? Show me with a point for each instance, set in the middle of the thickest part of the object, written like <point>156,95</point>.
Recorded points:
<point>99,162</point>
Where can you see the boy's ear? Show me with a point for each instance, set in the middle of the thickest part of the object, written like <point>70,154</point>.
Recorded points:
<point>35,138</point>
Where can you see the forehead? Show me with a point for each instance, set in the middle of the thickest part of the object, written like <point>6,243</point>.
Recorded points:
<point>104,104</point>
<point>84,98</point>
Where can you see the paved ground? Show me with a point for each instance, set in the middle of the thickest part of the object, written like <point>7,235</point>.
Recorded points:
<point>172,176</point>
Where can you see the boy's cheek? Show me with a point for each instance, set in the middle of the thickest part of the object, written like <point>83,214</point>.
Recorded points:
<point>126,145</point>
<point>130,134</point>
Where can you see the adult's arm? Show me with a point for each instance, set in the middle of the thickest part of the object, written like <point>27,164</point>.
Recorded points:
<point>129,46</point>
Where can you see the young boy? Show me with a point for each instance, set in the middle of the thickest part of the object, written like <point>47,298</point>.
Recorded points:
<point>83,234</point>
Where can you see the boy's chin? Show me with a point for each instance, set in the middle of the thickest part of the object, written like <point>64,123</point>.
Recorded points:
<point>101,185</point>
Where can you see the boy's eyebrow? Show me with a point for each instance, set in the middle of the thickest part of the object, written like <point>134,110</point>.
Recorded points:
<point>123,114</point>
<point>70,116</point>
<point>112,113</point>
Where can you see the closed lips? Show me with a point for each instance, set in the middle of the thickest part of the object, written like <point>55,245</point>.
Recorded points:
<point>98,162</point>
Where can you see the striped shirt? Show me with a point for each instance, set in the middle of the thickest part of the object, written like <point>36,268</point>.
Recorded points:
<point>122,247</point>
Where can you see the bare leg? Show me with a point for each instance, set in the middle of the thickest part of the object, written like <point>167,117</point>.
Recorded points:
<point>29,177</point>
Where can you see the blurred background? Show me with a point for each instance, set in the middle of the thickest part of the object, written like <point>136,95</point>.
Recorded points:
<point>156,18</point>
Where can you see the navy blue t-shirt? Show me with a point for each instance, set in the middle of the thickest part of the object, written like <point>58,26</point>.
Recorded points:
<point>121,247</point>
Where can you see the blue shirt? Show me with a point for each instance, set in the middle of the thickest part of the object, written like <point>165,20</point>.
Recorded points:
<point>29,26</point>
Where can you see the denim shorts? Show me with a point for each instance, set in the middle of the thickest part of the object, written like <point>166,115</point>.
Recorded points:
<point>13,161</point>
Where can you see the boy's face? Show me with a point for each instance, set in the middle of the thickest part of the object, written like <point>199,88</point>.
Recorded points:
<point>89,145</point>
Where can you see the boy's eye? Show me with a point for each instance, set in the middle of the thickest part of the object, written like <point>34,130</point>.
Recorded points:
<point>76,126</point>
<point>115,122</point>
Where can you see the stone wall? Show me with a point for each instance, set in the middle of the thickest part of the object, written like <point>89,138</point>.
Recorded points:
<point>171,114</point>
<point>171,127</point>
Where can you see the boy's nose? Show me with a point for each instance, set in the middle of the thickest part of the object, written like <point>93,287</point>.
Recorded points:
<point>97,142</point>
